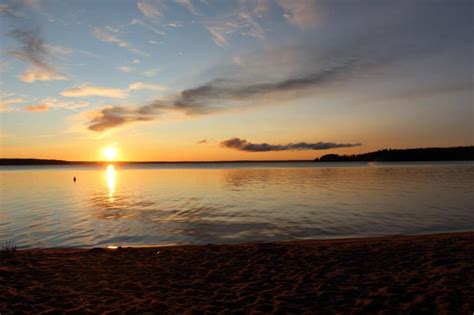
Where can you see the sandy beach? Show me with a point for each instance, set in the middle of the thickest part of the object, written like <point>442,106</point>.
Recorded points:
<point>404,274</point>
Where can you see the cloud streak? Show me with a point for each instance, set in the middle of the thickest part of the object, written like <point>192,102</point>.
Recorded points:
<point>89,90</point>
<point>115,116</point>
<point>6,103</point>
<point>109,37</point>
<point>86,90</point>
<point>301,13</point>
<point>188,5</point>
<point>37,108</point>
<point>54,103</point>
<point>244,145</point>
<point>243,21</point>
<point>148,9</point>
<point>224,94</point>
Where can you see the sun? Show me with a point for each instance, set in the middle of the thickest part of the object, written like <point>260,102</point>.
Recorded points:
<point>110,153</point>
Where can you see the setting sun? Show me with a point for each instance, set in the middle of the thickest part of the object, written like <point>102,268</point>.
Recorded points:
<point>110,153</point>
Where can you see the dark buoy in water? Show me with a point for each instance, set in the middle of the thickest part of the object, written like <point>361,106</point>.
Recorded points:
<point>74,179</point>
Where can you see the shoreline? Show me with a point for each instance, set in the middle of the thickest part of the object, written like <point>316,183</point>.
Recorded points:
<point>331,239</point>
<point>430,273</point>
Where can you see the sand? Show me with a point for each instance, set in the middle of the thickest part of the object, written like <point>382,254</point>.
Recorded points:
<point>407,274</point>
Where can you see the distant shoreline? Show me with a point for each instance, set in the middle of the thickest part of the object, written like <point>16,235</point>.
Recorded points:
<point>100,163</point>
<point>62,162</point>
<point>465,153</point>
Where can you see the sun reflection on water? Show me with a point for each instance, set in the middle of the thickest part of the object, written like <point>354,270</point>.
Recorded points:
<point>110,177</point>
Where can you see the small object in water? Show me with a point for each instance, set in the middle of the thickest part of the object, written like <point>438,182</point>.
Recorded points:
<point>74,179</point>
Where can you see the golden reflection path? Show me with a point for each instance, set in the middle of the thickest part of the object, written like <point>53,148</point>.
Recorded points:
<point>110,177</point>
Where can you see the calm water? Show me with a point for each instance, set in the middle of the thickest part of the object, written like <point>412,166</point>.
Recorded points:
<point>224,203</point>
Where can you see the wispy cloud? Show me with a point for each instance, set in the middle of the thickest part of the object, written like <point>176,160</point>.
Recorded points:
<point>138,86</point>
<point>89,90</point>
<point>151,72</point>
<point>40,74</point>
<point>188,5</point>
<point>6,103</point>
<point>154,42</point>
<point>149,9</point>
<point>242,21</point>
<point>244,145</point>
<point>106,36</point>
<point>125,69</point>
<point>218,35</point>
<point>301,13</point>
<point>54,103</point>
<point>110,37</point>
<point>204,141</point>
<point>34,52</point>
<point>147,26</point>
<point>37,108</point>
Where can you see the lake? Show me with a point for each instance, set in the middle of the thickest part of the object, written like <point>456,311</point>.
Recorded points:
<point>159,204</point>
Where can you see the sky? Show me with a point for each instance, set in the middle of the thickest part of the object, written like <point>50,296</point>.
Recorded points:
<point>204,80</point>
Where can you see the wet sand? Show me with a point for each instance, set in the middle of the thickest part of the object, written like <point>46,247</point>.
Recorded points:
<point>430,274</point>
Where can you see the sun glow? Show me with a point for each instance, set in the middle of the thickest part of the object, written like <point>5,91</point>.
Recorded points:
<point>110,153</point>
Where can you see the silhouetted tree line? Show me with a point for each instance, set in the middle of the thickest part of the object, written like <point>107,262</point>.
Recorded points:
<point>393,155</point>
<point>34,162</point>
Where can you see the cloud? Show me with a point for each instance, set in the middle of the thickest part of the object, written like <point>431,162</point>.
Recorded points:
<point>39,74</point>
<point>109,37</point>
<point>304,69</point>
<point>154,42</point>
<point>86,90</point>
<point>11,10</point>
<point>188,5</point>
<point>54,103</point>
<point>36,108</point>
<point>244,145</point>
<point>125,69</point>
<point>204,141</point>
<point>151,72</point>
<point>148,9</point>
<point>224,94</point>
<point>5,103</point>
<point>59,50</point>
<point>89,90</point>
<point>35,53</point>
<point>301,13</point>
<point>135,61</point>
<point>147,26</point>
<point>218,35</point>
<point>138,86</point>
<point>112,117</point>
<point>242,21</point>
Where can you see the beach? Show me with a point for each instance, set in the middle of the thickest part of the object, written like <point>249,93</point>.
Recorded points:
<point>398,274</point>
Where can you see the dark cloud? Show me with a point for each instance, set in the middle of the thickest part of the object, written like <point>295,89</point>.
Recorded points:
<point>218,95</point>
<point>204,141</point>
<point>116,116</point>
<point>244,145</point>
<point>32,48</point>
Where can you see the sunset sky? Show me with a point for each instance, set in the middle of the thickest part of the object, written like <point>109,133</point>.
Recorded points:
<point>230,80</point>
